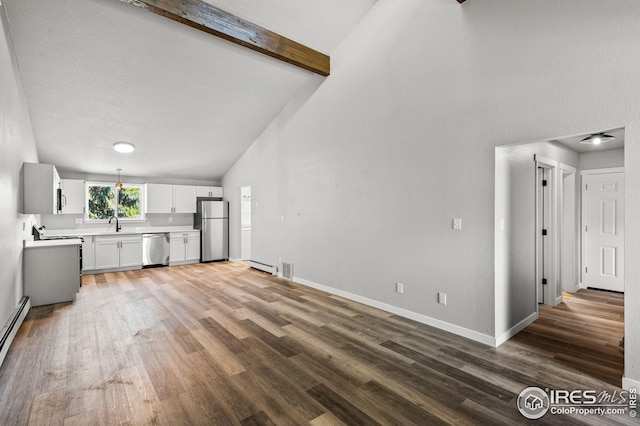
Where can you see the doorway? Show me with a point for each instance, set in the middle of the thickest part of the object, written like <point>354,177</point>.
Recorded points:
<point>603,229</point>
<point>556,221</point>
<point>245,223</point>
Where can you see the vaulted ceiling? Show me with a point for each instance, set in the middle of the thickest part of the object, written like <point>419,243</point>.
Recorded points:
<point>100,71</point>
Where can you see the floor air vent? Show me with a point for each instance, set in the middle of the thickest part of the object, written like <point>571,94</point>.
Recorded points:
<point>287,270</point>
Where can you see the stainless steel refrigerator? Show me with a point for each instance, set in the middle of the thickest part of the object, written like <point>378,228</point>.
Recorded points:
<point>212,218</point>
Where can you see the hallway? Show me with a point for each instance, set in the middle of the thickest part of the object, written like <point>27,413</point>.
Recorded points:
<point>583,332</point>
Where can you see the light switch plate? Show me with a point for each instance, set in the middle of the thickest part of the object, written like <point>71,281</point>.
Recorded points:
<point>442,298</point>
<point>457,223</point>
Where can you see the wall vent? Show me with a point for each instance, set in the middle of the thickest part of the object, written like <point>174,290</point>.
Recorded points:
<point>287,270</point>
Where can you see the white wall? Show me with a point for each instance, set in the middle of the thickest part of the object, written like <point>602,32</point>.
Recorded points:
<point>16,146</point>
<point>631,256</point>
<point>602,159</point>
<point>369,168</point>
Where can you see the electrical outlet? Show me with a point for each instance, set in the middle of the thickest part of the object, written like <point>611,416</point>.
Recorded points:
<point>442,298</point>
<point>78,221</point>
<point>457,223</point>
<point>170,219</point>
<point>399,288</point>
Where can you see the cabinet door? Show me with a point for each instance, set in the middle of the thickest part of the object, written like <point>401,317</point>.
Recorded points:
<point>184,199</point>
<point>217,191</point>
<point>73,196</point>
<point>88,259</point>
<point>176,248</point>
<point>159,198</point>
<point>193,247</point>
<point>57,200</point>
<point>130,251</point>
<point>203,191</point>
<point>107,253</point>
<point>40,183</point>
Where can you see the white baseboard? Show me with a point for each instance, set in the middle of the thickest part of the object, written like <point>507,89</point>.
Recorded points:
<point>231,259</point>
<point>443,325</point>
<point>630,383</point>
<point>516,329</point>
<point>14,328</point>
<point>558,301</point>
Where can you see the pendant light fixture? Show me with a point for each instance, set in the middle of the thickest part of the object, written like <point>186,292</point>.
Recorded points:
<point>119,182</point>
<point>597,139</point>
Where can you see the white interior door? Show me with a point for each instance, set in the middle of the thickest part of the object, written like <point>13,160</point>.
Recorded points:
<point>604,231</point>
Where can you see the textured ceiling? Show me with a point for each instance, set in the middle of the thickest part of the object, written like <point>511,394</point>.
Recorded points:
<point>573,142</point>
<point>100,71</point>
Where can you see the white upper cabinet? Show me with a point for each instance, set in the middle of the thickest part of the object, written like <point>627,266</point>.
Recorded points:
<point>73,196</point>
<point>184,199</point>
<point>42,192</point>
<point>163,198</point>
<point>159,198</point>
<point>209,191</point>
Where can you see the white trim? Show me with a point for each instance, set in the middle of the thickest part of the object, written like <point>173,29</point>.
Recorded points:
<point>451,328</point>
<point>184,262</point>
<point>628,383</point>
<point>231,259</point>
<point>14,331</point>
<point>558,301</point>
<point>104,271</point>
<point>546,161</point>
<point>601,171</point>
<point>516,329</point>
<point>567,168</point>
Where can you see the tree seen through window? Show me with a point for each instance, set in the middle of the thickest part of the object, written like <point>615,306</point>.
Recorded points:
<point>102,204</point>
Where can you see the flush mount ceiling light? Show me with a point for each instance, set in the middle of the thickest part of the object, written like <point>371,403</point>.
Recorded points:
<point>597,139</point>
<point>124,147</point>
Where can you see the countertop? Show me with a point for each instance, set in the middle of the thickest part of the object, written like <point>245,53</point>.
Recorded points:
<point>88,232</point>
<point>52,243</point>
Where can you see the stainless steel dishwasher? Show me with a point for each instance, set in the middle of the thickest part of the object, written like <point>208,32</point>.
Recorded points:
<point>155,249</point>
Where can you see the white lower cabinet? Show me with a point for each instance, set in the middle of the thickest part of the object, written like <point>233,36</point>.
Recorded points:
<point>184,247</point>
<point>88,254</point>
<point>116,251</point>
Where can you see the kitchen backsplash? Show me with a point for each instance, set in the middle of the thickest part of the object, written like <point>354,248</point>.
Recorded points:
<point>68,221</point>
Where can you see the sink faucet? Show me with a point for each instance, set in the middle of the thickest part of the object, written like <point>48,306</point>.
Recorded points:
<point>118,227</point>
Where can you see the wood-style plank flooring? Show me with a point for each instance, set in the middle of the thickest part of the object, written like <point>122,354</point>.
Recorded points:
<point>583,333</point>
<point>221,344</point>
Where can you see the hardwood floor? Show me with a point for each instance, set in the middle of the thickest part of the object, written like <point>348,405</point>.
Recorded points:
<point>218,344</point>
<point>583,332</point>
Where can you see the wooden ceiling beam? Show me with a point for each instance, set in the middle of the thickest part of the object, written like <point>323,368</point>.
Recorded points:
<point>204,17</point>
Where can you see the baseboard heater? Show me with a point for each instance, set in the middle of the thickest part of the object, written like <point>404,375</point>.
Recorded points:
<point>263,267</point>
<point>10,329</point>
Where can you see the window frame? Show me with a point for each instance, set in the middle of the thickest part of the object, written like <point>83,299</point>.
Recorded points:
<point>143,194</point>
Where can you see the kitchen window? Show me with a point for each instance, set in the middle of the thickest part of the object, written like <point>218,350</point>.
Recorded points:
<point>105,200</point>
